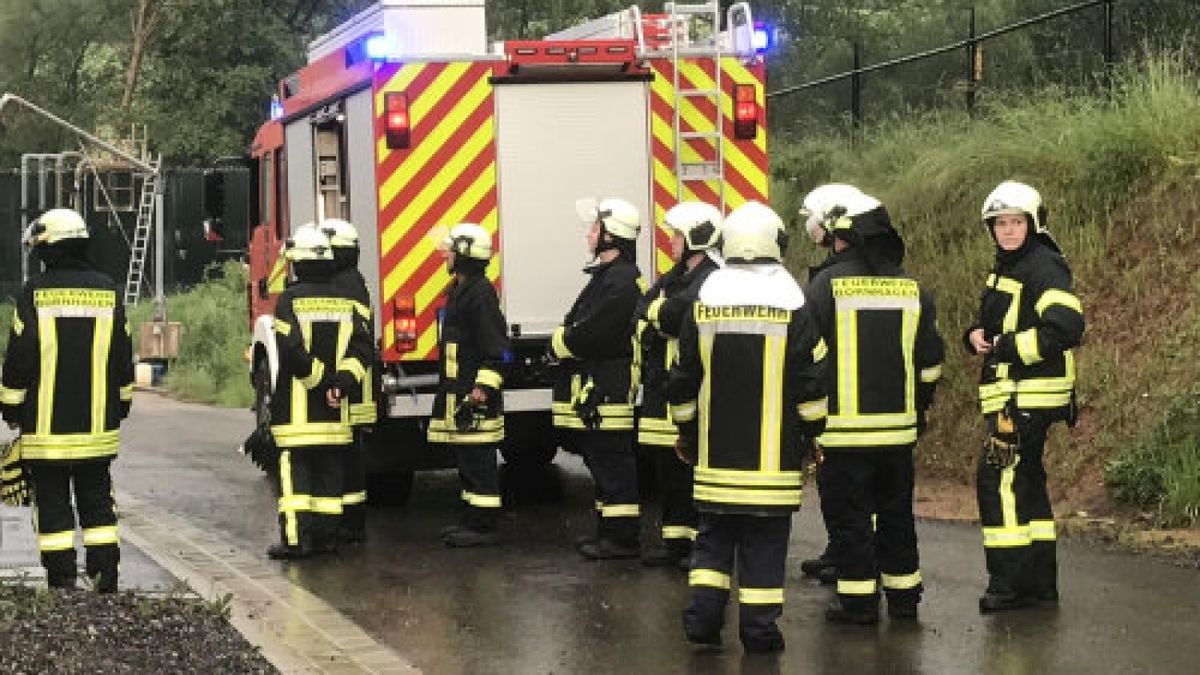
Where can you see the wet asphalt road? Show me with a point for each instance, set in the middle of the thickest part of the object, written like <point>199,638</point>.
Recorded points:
<point>534,606</point>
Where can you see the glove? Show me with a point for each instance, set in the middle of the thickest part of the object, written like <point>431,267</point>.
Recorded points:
<point>1003,444</point>
<point>587,406</point>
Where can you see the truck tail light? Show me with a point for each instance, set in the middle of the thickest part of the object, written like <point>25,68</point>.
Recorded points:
<point>404,322</point>
<point>745,112</point>
<point>396,122</point>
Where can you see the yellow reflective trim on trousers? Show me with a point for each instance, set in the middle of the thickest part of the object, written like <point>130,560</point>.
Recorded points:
<point>11,396</point>
<point>772,403</point>
<point>820,351</point>
<point>100,536</point>
<point>486,377</point>
<point>704,402</point>
<point>871,421</point>
<point>620,511</point>
<point>451,360</point>
<point>1056,296</point>
<point>1008,498</point>
<point>653,310</point>
<point>70,446</point>
<point>811,411</point>
<point>353,498</point>
<point>901,582</point>
<point>1006,537</point>
<point>481,501</point>
<point>1042,530</point>
<point>851,439</point>
<point>329,506</point>
<point>745,497</point>
<point>760,596</point>
<point>1027,347</point>
<point>847,365</point>
<point>288,499</point>
<point>678,532</point>
<point>659,424</point>
<point>48,360</point>
<point>931,374</point>
<point>852,587</point>
<point>312,433</point>
<point>312,379</point>
<point>749,477</point>
<point>710,578</point>
<point>102,327</point>
<point>126,393</point>
<point>18,326</point>
<point>56,541</point>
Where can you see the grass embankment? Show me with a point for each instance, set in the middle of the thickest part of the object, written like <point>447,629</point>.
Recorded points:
<point>1120,176</point>
<point>210,367</point>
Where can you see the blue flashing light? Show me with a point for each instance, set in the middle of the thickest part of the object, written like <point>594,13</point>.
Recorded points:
<point>276,108</point>
<point>761,39</point>
<point>378,47</point>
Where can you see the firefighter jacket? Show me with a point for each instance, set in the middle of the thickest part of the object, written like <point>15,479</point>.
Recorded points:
<point>68,374</point>
<point>363,410</point>
<point>1033,316</point>
<point>885,353</point>
<point>474,353</point>
<point>323,342</point>
<point>749,390</point>
<point>597,376</point>
<point>659,317</point>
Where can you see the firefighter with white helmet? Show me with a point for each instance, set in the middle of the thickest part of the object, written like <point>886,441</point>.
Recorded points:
<point>349,281</point>
<point>1029,320</point>
<point>885,358</point>
<point>594,392</point>
<point>468,415</point>
<point>695,229</point>
<point>748,394</point>
<point>324,346</point>
<point>69,329</point>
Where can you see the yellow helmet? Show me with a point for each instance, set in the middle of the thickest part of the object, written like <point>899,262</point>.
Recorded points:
<point>1011,197</point>
<point>308,244</point>
<point>699,223</point>
<point>752,233</point>
<point>54,226</point>
<point>340,232</point>
<point>469,240</point>
<point>823,206</point>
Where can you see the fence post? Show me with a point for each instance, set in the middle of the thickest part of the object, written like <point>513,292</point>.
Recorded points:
<point>856,87</point>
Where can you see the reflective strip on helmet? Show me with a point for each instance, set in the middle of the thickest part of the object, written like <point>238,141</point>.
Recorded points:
<point>901,582</point>
<point>760,596</point>
<point>709,578</point>
<point>856,587</point>
<point>486,377</point>
<point>812,411</point>
<point>100,536</point>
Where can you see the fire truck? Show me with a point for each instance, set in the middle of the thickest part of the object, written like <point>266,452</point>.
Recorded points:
<point>405,120</point>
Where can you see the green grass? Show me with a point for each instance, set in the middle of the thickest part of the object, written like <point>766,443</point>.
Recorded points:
<point>1119,174</point>
<point>1161,470</point>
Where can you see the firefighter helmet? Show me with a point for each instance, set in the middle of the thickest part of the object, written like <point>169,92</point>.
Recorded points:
<point>308,244</point>
<point>859,216</point>
<point>340,232</point>
<point>1011,197</point>
<point>618,217</point>
<point>823,206</point>
<point>753,233</point>
<point>468,240</point>
<point>54,226</point>
<point>699,223</point>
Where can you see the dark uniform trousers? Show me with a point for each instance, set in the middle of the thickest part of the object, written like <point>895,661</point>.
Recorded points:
<point>759,544</point>
<point>53,483</point>
<point>310,496</point>
<point>855,484</point>
<point>1018,523</point>
<point>679,516</point>
<point>609,457</point>
<point>478,472</point>
<point>354,486</point>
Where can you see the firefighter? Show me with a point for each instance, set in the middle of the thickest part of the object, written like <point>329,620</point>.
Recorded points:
<point>594,393</point>
<point>361,398</point>
<point>885,357</point>
<point>695,228</point>
<point>1029,319</point>
<point>468,413</point>
<point>324,344</point>
<point>817,204</point>
<point>67,385</point>
<point>748,394</point>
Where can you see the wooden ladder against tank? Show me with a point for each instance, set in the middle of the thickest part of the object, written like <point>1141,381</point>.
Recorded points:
<point>681,17</point>
<point>140,244</point>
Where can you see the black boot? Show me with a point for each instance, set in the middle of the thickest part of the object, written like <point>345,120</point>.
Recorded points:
<point>467,536</point>
<point>608,549</point>
<point>838,612</point>
<point>671,554</point>
<point>994,601</point>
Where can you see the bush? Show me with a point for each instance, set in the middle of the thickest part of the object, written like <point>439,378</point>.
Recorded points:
<point>1161,470</point>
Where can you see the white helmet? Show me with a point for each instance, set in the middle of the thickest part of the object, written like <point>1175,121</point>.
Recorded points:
<point>54,226</point>
<point>699,223</point>
<point>1015,198</point>
<point>844,216</point>
<point>751,233</point>
<point>619,218</point>
<point>307,244</point>
<point>823,206</point>
<point>341,233</point>
<point>468,240</point>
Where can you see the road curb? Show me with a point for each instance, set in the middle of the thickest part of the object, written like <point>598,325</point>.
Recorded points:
<point>296,631</point>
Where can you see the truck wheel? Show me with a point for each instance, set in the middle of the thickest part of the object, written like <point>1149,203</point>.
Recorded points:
<point>391,488</point>
<point>529,440</point>
<point>262,407</point>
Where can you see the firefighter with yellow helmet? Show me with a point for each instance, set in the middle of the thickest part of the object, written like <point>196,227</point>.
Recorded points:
<point>594,392</point>
<point>324,346</point>
<point>1029,320</point>
<point>67,385</point>
<point>885,357</point>
<point>749,395</point>
<point>468,412</point>
<point>349,282</point>
<point>695,228</point>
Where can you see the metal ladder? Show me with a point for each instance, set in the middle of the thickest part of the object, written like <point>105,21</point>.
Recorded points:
<point>704,171</point>
<point>141,234</point>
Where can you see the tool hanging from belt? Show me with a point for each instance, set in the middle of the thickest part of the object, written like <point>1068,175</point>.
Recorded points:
<point>14,486</point>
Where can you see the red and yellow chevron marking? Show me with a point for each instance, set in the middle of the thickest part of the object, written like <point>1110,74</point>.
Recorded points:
<point>745,161</point>
<point>447,176</point>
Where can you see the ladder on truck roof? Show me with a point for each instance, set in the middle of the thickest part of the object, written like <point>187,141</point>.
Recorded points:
<point>681,26</point>
<point>138,247</point>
